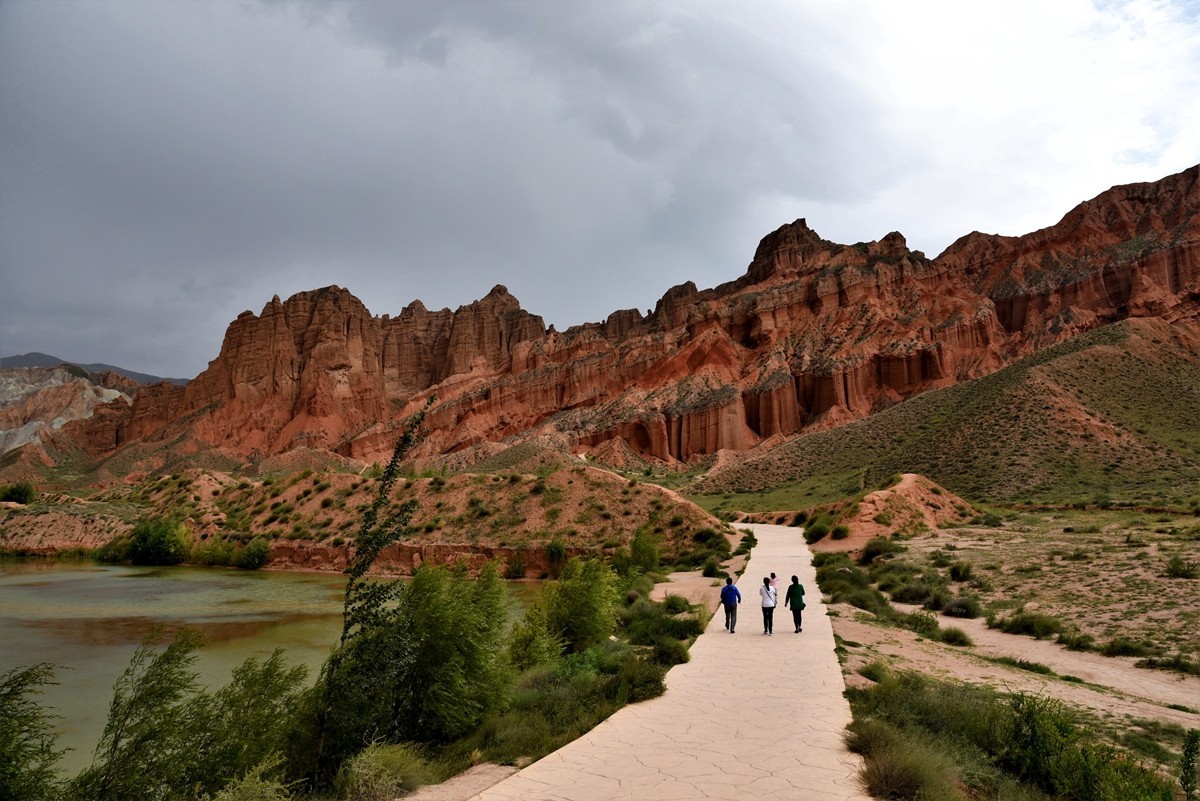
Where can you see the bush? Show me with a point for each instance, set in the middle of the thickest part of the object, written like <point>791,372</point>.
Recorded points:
<point>998,740</point>
<point>956,636</point>
<point>964,606</point>
<point>1125,646</point>
<point>638,680</point>
<point>960,571</point>
<point>923,623</point>
<point>21,492</point>
<point>877,547</point>
<point>1033,624</point>
<point>1074,640</point>
<point>1177,662</point>
<point>643,550</point>
<point>840,532</point>
<point>166,739</point>
<point>429,668</point>
<point>1178,567</point>
<point>515,568</point>
<point>676,604</point>
<point>580,607</point>
<point>646,621</point>
<point>711,568</point>
<point>157,541</point>
<point>383,772</point>
<point>255,786</point>
<point>556,555</point>
<point>817,529</point>
<point>1187,764</point>
<point>668,651</point>
<point>216,551</point>
<point>905,770</point>
<point>254,555</point>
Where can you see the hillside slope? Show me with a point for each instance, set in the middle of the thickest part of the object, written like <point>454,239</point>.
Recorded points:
<point>1109,416</point>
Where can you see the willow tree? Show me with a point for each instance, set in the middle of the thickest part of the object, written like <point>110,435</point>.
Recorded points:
<point>417,662</point>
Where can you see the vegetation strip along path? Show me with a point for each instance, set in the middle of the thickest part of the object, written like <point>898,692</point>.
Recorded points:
<point>748,716</point>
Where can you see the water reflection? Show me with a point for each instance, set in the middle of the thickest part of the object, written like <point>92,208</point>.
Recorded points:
<point>88,619</point>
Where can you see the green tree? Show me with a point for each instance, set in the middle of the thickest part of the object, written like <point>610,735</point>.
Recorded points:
<point>417,662</point>
<point>27,742</point>
<point>254,555</point>
<point>1187,764</point>
<point>158,541</point>
<point>165,739</point>
<point>643,550</point>
<point>580,608</point>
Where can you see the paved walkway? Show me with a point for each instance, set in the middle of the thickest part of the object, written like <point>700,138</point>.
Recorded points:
<point>749,716</point>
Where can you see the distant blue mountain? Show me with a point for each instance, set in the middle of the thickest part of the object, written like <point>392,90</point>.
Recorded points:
<point>46,360</point>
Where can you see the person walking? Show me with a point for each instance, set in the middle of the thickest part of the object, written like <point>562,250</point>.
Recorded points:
<point>769,599</point>
<point>730,598</point>
<point>795,599</point>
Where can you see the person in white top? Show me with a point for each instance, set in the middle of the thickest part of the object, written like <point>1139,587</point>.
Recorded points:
<point>769,599</point>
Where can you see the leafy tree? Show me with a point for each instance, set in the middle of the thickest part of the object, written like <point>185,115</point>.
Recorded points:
<point>580,607</point>
<point>165,739</point>
<point>27,752</point>
<point>254,555</point>
<point>643,550</point>
<point>384,680</point>
<point>158,541</point>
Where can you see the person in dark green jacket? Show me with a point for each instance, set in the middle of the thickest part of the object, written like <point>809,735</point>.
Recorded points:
<point>795,599</point>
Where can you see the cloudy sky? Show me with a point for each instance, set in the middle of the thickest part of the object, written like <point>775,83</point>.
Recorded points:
<point>167,165</point>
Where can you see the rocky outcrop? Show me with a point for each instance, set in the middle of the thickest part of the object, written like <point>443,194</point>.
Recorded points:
<point>36,401</point>
<point>814,334</point>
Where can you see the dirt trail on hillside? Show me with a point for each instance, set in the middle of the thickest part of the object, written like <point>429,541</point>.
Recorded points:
<point>1110,686</point>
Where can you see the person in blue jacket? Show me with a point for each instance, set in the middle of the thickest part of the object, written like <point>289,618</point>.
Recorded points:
<point>730,598</point>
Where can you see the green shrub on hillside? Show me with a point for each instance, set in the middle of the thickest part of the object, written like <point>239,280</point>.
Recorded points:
<point>21,492</point>
<point>817,529</point>
<point>877,547</point>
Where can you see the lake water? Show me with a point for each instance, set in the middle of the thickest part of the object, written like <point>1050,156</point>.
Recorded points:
<point>89,619</point>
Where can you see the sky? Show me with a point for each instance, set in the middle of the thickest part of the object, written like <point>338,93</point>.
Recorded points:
<point>165,166</point>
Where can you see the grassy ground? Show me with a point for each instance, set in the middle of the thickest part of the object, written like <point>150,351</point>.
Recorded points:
<point>1104,576</point>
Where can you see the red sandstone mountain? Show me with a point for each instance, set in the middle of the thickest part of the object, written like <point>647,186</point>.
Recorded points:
<point>813,335</point>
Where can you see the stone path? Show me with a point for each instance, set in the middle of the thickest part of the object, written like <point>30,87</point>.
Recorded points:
<point>750,716</point>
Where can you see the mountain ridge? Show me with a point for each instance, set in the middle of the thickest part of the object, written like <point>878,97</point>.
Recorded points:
<point>38,359</point>
<point>814,334</point>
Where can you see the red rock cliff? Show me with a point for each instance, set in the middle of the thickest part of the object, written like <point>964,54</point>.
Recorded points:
<point>813,334</point>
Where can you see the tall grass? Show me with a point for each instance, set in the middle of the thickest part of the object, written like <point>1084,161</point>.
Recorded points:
<point>924,738</point>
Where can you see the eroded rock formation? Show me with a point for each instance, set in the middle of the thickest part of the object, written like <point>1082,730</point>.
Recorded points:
<point>814,334</point>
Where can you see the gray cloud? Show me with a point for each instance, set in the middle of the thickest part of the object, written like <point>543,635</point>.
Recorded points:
<point>166,165</point>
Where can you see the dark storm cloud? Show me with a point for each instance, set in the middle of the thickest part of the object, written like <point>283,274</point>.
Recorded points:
<point>164,166</point>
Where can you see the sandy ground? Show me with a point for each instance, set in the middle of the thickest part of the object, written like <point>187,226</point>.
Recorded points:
<point>1112,687</point>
